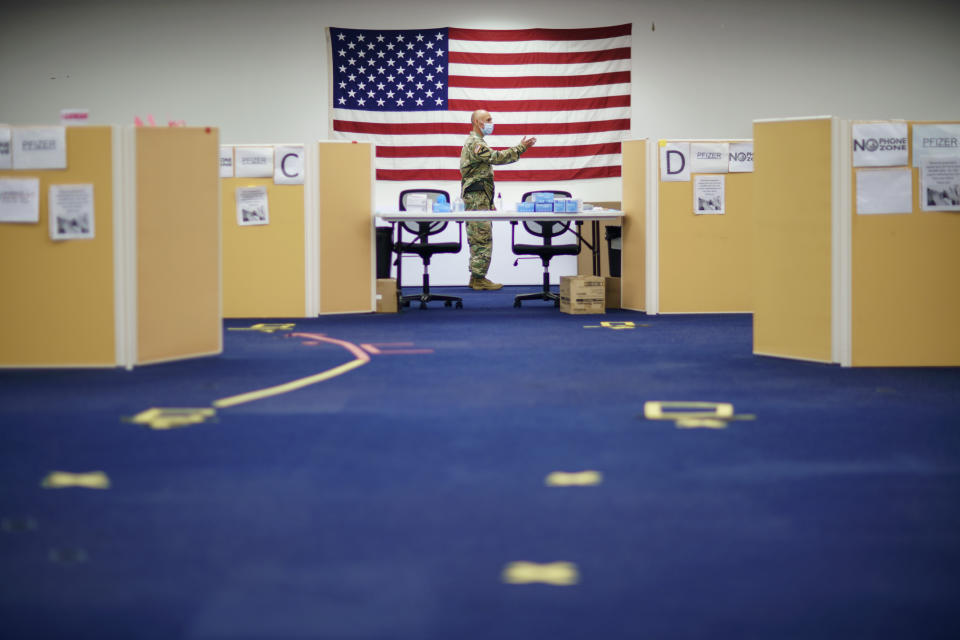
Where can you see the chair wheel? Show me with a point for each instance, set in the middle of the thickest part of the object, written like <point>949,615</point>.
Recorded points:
<point>516,303</point>
<point>406,303</point>
<point>423,305</point>
<point>448,303</point>
<point>556,303</point>
<point>459,305</point>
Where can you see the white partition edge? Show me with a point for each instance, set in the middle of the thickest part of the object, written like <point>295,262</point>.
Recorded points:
<point>125,243</point>
<point>311,230</point>
<point>842,316</point>
<point>652,250</point>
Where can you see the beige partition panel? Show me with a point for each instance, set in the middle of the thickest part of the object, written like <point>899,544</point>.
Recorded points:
<point>346,228</point>
<point>264,265</point>
<point>178,243</point>
<point>58,297</point>
<point>905,285</point>
<point>792,213</point>
<point>633,251</point>
<point>705,260</point>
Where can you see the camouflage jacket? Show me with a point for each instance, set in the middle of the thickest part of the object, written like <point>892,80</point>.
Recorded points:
<point>476,159</point>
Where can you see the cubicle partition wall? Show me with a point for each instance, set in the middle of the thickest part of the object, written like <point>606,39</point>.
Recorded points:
<point>704,259</point>
<point>264,265</point>
<point>146,286</point>
<point>794,210</point>
<point>346,242</point>
<point>839,282</point>
<point>905,279</point>
<point>634,234</point>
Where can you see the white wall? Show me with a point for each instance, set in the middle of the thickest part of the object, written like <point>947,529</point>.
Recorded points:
<point>258,69</point>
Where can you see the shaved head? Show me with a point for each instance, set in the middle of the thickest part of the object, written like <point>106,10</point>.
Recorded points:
<point>478,119</point>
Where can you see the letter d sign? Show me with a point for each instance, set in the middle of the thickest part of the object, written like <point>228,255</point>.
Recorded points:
<point>673,161</point>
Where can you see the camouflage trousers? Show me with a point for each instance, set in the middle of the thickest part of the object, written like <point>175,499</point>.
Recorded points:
<point>479,233</point>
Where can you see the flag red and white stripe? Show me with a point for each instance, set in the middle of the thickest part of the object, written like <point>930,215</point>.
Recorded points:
<point>568,87</point>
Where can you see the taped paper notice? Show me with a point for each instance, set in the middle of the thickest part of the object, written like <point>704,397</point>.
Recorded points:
<point>71,211</point>
<point>6,158</point>
<point>252,206</point>
<point>708,194</point>
<point>880,144</point>
<point>226,161</point>
<point>940,184</point>
<point>741,157</point>
<point>884,191</point>
<point>39,148</point>
<point>935,141</point>
<point>709,157</point>
<point>253,162</point>
<point>288,168</point>
<point>20,200</point>
<point>674,161</point>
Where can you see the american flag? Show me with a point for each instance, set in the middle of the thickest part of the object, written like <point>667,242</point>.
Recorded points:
<point>412,92</point>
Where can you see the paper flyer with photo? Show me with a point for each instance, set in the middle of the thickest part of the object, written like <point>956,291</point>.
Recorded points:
<point>935,140</point>
<point>884,190</point>
<point>289,164</point>
<point>674,166</point>
<point>940,184</point>
<point>708,194</point>
<point>253,162</point>
<point>252,206</point>
<point>39,148</point>
<point>71,211</point>
<point>6,157</point>
<point>740,157</point>
<point>709,157</point>
<point>20,200</point>
<point>226,161</point>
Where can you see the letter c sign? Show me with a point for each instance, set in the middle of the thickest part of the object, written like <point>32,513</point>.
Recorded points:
<point>289,165</point>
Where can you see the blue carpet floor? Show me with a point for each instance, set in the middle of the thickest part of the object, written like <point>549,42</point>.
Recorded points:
<point>386,501</point>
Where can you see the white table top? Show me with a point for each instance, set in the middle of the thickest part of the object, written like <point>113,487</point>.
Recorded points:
<point>455,216</point>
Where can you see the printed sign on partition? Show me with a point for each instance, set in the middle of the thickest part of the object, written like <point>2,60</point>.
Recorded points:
<point>253,162</point>
<point>226,161</point>
<point>709,157</point>
<point>252,206</point>
<point>708,194</point>
<point>289,164</point>
<point>884,190</point>
<point>940,184</point>
<point>674,164</point>
<point>6,158</point>
<point>19,199</point>
<point>880,144</point>
<point>740,157</point>
<point>39,148</point>
<point>935,140</point>
<point>71,211</point>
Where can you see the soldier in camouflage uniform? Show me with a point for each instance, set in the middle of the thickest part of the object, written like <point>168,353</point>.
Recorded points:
<point>476,183</point>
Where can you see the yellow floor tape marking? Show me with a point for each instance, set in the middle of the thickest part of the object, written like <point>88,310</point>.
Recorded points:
<point>64,479</point>
<point>559,574</point>
<point>712,415</point>
<point>265,327</point>
<point>614,324</point>
<point>574,479</point>
<point>361,356</point>
<point>162,418</point>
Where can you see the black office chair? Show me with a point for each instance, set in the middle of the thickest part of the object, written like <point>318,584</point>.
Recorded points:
<point>548,231</point>
<point>422,247</point>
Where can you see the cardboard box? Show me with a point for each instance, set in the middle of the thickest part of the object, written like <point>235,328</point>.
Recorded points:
<point>611,287</point>
<point>582,294</point>
<point>386,295</point>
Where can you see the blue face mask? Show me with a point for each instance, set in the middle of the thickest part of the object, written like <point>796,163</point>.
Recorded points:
<point>488,128</point>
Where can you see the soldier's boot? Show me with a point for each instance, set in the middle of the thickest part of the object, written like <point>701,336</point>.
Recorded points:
<point>482,284</point>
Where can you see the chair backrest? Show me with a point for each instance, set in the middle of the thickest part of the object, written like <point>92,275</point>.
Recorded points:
<point>546,230</point>
<point>423,229</point>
